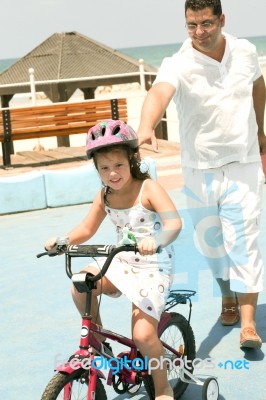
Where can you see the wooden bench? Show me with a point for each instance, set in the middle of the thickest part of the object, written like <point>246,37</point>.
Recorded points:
<point>60,120</point>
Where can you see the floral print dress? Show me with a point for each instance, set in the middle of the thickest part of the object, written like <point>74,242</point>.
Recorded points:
<point>145,280</point>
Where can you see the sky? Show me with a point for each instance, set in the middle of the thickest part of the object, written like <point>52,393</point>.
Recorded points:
<point>115,23</point>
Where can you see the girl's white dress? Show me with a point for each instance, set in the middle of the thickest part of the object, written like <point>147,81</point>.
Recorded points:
<point>145,280</point>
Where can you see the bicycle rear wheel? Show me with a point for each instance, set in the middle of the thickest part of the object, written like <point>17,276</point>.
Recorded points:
<point>75,384</point>
<point>179,335</point>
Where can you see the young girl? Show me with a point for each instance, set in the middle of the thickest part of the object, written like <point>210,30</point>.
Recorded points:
<point>139,205</point>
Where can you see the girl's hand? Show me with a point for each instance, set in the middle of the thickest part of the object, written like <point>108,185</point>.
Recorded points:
<point>147,246</point>
<point>50,243</point>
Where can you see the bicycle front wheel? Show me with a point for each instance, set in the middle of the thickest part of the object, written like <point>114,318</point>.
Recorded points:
<point>177,334</point>
<point>72,386</point>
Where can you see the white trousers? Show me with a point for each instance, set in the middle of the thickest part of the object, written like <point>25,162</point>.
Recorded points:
<point>225,207</point>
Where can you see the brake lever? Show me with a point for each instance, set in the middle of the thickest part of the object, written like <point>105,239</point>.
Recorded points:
<point>41,254</point>
<point>51,253</point>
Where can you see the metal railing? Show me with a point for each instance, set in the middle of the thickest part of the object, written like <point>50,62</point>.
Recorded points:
<point>32,83</point>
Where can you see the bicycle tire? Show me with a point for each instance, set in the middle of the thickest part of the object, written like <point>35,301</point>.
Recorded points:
<point>79,380</point>
<point>176,333</point>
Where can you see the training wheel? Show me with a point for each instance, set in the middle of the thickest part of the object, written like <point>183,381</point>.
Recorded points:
<point>210,389</point>
<point>133,389</point>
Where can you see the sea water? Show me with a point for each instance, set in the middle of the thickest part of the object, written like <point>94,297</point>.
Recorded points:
<point>153,55</point>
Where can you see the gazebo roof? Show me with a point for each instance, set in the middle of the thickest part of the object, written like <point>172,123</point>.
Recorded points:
<point>69,55</point>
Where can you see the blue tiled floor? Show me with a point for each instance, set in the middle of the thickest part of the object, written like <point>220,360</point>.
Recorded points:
<point>40,325</point>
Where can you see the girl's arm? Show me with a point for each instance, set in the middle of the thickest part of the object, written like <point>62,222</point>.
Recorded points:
<point>88,227</point>
<point>156,198</point>
<point>91,223</point>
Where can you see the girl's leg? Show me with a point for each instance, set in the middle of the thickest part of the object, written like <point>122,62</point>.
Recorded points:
<point>103,286</point>
<point>144,333</point>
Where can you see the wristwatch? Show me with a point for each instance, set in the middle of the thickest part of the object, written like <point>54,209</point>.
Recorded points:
<point>62,240</point>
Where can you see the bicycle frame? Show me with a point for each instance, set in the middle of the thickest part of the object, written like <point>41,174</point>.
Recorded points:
<point>90,345</point>
<point>84,356</point>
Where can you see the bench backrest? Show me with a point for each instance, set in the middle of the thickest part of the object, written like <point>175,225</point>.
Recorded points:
<point>59,119</point>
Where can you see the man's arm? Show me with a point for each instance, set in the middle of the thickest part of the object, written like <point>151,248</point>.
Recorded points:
<point>259,98</point>
<point>153,109</point>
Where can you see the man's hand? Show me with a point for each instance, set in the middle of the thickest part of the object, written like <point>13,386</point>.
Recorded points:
<point>262,142</point>
<point>148,136</point>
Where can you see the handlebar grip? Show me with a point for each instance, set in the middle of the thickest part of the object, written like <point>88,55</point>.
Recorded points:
<point>99,250</point>
<point>90,250</point>
<point>51,253</point>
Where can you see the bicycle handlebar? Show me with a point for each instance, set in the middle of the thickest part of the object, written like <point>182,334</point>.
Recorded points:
<point>108,251</point>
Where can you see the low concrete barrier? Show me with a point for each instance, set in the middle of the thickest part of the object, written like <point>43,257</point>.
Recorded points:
<point>54,188</point>
<point>22,193</point>
<point>71,186</point>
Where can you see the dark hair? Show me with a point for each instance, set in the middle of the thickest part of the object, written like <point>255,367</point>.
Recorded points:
<point>196,5</point>
<point>133,159</point>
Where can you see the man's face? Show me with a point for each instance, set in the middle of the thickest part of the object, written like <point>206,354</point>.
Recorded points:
<point>204,29</point>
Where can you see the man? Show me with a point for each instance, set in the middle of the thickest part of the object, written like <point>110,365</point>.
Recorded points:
<point>219,92</point>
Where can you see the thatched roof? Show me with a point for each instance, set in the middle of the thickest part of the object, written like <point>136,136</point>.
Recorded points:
<point>69,55</point>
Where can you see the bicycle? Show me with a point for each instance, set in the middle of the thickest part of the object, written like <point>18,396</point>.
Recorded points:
<point>82,378</point>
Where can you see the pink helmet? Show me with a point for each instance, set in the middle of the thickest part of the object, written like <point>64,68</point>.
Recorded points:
<point>109,132</point>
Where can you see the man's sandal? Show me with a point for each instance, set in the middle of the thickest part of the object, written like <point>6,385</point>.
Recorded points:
<point>249,338</point>
<point>230,314</point>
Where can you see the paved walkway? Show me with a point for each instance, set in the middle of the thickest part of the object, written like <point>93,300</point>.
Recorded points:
<point>70,157</point>
<point>40,325</point>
